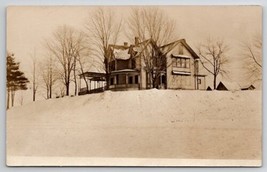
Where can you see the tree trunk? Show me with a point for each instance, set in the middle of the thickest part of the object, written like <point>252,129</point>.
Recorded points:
<point>87,87</point>
<point>8,98</point>
<point>106,62</point>
<point>50,82</point>
<point>50,91</point>
<point>75,79</point>
<point>214,82</point>
<point>34,93</point>
<point>47,92</point>
<point>75,84</point>
<point>107,80</point>
<point>67,89</point>
<point>12,98</point>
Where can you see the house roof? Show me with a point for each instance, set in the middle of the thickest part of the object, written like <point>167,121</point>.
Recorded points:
<point>121,54</point>
<point>170,46</point>
<point>232,86</point>
<point>250,87</point>
<point>125,71</point>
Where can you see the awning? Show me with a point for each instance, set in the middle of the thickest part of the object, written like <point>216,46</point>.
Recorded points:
<point>181,73</point>
<point>181,56</point>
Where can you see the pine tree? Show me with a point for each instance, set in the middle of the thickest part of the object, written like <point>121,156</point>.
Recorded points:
<point>15,79</point>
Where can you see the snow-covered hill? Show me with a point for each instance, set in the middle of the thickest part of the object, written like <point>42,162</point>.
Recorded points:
<point>139,124</point>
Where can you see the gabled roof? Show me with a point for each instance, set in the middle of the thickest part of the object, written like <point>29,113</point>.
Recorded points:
<point>231,86</point>
<point>250,87</point>
<point>140,47</point>
<point>124,52</point>
<point>170,46</point>
<point>121,54</point>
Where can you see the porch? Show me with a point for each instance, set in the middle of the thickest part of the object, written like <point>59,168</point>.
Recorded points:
<point>127,79</point>
<point>93,82</point>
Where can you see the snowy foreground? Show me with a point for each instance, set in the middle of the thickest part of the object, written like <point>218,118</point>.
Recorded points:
<point>150,127</point>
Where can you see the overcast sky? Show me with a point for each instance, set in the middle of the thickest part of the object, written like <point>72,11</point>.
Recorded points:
<point>28,27</point>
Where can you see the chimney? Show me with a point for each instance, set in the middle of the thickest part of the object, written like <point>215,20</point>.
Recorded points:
<point>136,40</point>
<point>125,44</point>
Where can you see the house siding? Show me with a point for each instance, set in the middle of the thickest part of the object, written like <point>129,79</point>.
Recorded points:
<point>178,81</point>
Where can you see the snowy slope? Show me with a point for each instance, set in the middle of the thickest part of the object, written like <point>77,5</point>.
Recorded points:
<point>140,124</point>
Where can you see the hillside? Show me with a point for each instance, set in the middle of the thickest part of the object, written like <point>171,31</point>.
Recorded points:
<point>145,124</point>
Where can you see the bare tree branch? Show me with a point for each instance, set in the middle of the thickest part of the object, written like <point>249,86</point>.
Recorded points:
<point>212,57</point>
<point>103,29</point>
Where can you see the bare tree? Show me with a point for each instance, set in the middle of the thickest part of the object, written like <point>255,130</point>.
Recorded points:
<point>252,50</point>
<point>64,46</point>
<point>153,25</point>
<point>104,29</point>
<point>80,50</point>
<point>49,75</point>
<point>85,63</point>
<point>34,76</point>
<point>213,57</point>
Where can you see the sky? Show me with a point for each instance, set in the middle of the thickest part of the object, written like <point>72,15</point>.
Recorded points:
<point>29,27</point>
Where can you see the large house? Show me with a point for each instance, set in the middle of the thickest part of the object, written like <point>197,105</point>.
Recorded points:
<point>143,65</point>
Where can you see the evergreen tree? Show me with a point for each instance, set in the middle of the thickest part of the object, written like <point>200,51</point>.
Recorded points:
<point>15,79</point>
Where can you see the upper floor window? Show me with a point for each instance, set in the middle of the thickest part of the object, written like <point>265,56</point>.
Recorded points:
<point>181,62</point>
<point>112,65</point>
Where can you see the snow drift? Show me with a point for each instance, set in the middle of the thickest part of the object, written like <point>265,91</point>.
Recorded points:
<point>140,124</point>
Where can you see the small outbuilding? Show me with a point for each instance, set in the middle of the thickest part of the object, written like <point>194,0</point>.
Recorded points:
<point>221,87</point>
<point>209,89</point>
<point>228,86</point>
<point>251,87</point>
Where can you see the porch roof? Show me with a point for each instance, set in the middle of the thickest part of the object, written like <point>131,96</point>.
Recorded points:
<point>125,71</point>
<point>94,76</point>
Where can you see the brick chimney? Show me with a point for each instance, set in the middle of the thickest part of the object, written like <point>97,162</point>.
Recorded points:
<point>125,44</point>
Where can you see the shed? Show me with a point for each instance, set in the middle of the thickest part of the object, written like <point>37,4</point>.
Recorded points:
<point>251,87</point>
<point>228,86</point>
<point>209,89</point>
<point>221,87</point>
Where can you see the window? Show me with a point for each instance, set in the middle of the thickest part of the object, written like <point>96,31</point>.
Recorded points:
<point>133,64</point>
<point>112,65</point>
<point>181,62</point>
<point>136,79</point>
<point>163,79</point>
<point>187,63</point>
<point>130,80</point>
<point>199,81</point>
<point>111,81</point>
<point>174,62</point>
<point>117,79</point>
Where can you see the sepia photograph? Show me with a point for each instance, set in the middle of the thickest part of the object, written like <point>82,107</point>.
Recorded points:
<point>134,85</point>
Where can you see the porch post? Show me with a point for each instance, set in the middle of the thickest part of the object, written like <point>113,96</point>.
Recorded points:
<point>89,84</point>
<point>126,82</point>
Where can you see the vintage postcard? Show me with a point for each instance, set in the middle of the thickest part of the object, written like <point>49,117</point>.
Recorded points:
<point>134,86</point>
